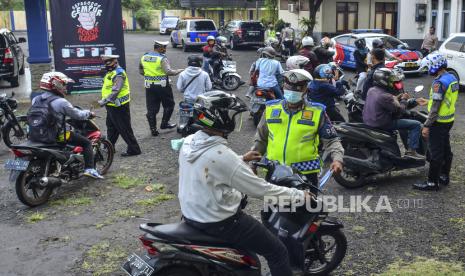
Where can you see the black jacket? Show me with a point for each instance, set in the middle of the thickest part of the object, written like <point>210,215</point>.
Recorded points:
<point>360,56</point>
<point>324,55</point>
<point>369,81</point>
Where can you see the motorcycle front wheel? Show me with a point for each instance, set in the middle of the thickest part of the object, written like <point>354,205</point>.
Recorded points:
<point>230,82</point>
<point>14,134</point>
<point>103,156</point>
<point>325,252</point>
<point>28,190</point>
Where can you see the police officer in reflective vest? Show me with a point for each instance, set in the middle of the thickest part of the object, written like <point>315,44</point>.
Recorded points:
<point>291,129</point>
<point>155,68</point>
<point>441,107</point>
<point>115,98</point>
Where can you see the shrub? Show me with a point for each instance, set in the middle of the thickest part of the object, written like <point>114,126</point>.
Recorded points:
<point>144,19</point>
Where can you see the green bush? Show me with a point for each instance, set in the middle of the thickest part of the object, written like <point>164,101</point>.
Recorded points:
<point>144,19</point>
<point>279,25</point>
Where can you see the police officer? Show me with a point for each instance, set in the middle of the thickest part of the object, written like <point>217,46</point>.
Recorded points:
<point>115,98</point>
<point>290,130</point>
<point>155,68</point>
<point>441,108</point>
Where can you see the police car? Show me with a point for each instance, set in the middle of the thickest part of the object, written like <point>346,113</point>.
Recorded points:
<point>345,49</point>
<point>192,32</point>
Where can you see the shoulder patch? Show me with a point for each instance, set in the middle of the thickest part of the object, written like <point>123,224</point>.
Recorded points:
<point>273,102</point>
<point>317,105</point>
<point>119,71</point>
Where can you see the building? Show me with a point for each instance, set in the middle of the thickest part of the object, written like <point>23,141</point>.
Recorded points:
<point>407,19</point>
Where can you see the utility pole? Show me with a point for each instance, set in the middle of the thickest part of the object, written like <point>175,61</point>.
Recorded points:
<point>256,8</point>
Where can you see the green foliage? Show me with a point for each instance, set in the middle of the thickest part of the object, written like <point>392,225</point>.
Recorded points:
<point>279,25</point>
<point>104,258</point>
<point>136,5</point>
<point>166,4</point>
<point>424,267</point>
<point>11,5</point>
<point>307,25</point>
<point>72,202</point>
<point>144,19</point>
<point>154,201</point>
<point>126,182</point>
<point>35,217</point>
<point>272,8</point>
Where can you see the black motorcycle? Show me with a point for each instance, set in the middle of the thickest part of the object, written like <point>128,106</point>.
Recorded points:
<point>40,168</point>
<point>13,128</point>
<point>370,151</point>
<point>315,241</point>
<point>186,114</point>
<point>258,101</point>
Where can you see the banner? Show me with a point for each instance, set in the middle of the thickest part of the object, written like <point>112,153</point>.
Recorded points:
<point>82,31</point>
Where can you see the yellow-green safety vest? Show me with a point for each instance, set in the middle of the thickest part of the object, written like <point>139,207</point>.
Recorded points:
<point>124,94</point>
<point>153,71</point>
<point>446,112</point>
<point>293,138</point>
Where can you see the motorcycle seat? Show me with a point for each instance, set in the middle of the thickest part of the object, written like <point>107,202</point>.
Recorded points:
<point>180,232</point>
<point>361,125</point>
<point>31,144</point>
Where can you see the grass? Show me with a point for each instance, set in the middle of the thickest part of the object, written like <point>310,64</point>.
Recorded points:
<point>72,202</point>
<point>459,222</point>
<point>125,182</point>
<point>424,267</point>
<point>155,200</point>
<point>123,213</point>
<point>103,258</point>
<point>35,217</point>
<point>358,229</point>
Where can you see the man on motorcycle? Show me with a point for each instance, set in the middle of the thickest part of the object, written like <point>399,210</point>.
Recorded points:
<point>207,53</point>
<point>213,180</point>
<point>307,51</point>
<point>382,107</point>
<point>218,53</point>
<point>270,71</point>
<point>378,63</point>
<point>291,129</point>
<point>193,81</point>
<point>321,90</point>
<point>288,38</point>
<point>361,66</point>
<point>296,62</point>
<point>323,53</point>
<point>379,44</point>
<point>441,108</point>
<point>54,85</point>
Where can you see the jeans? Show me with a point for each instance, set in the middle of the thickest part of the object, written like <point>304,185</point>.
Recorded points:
<point>439,150</point>
<point>206,65</point>
<point>81,141</point>
<point>414,131</point>
<point>361,81</point>
<point>247,233</point>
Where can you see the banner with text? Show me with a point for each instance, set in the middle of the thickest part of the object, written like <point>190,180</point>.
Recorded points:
<point>82,31</point>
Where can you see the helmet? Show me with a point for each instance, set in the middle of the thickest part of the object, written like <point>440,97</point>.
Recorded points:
<point>194,60</point>
<point>389,79</point>
<point>217,110</point>
<point>296,62</point>
<point>278,34</point>
<point>160,44</point>
<point>326,42</point>
<point>377,43</point>
<point>268,52</point>
<point>221,40</point>
<point>307,41</point>
<point>55,82</point>
<point>210,37</point>
<point>324,71</point>
<point>434,61</point>
<point>360,43</point>
<point>272,41</point>
<point>296,78</point>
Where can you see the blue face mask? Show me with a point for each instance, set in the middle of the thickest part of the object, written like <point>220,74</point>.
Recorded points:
<point>292,97</point>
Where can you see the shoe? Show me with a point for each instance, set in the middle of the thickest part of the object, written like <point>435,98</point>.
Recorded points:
<point>414,154</point>
<point>426,186</point>
<point>167,126</point>
<point>127,154</point>
<point>444,180</point>
<point>154,132</point>
<point>92,173</point>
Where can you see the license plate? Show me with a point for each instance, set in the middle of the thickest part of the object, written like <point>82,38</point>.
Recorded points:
<point>16,164</point>
<point>187,113</point>
<point>410,64</point>
<point>253,33</point>
<point>135,266</point>
<point>258,100</point>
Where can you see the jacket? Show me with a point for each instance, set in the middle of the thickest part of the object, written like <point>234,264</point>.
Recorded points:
<point>381,108</point>
<point>369,80</point>
<point>314,62</point>
<point>199,86</point>
<point>324,92</point>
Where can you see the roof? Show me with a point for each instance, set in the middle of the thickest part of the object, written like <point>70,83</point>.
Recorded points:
<point>220,3</point>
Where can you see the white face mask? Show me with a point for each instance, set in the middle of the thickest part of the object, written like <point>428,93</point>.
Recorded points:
<point>292,97</point>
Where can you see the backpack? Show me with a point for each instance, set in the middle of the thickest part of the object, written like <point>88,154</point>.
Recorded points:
<point>43,125</point>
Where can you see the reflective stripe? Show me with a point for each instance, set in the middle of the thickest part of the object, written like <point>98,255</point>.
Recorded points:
<point>123,99</point>
<point>155,78</point>
<point>307,166</point>
<point>447,117</point>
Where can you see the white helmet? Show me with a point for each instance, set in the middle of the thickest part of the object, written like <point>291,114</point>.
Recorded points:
<point>296,62</point>
<point>55,82</point>
<point>307,41</point>
<point>210,37</point>
<point>297,76</point>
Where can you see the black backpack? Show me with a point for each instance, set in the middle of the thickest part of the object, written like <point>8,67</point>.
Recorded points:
<point>43,125</point>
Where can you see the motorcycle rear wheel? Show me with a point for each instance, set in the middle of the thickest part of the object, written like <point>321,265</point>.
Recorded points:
<point>350,180</point>
<point>25,184</point>
<point>230,82</point>
<point>104,154</point>
<point>339,241</point>
<point>12,134</point>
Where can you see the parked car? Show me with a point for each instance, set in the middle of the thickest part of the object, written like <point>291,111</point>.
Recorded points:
<point>454,50</point>
<point>192,32</point>
<point>345,49</point>
<point>168,24</point>
<point>11,57</point>
<point>239,33</point>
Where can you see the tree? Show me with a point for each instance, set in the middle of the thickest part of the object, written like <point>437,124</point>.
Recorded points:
<point>136,5</point>
<point>11,5</point>
<point>310,23</point>
<point>166,4</point>
<point>272,8</point>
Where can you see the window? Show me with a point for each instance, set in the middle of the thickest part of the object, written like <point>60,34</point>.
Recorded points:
<point>346,16</point>
<point>456,44</point>
<point>351,41</point>
<point>283,4</point>
<point>446,19</point>
<point>253,26</point>
<point>2,42</point>
<point>434,13</point>
<point>342,40</point>
<point>386,17</point>
<point>202,25</point>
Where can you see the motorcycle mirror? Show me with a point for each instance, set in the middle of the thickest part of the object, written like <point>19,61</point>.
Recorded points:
<point>419,88</point>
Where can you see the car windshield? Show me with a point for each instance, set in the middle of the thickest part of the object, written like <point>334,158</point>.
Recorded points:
<point>169,21</point>
<point>205,25</point>
<point>252,26</point>
<point>389,41</point>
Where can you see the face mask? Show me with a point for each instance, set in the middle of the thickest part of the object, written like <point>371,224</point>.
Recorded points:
<point>292,97</point>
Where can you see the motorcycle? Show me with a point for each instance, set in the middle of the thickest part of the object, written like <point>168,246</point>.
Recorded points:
<point>314,240</point>
<point>258,103</point>
<point>370,151</point>
<point>13,128</point>
<point>227,77</point>
<point>40,168</point>
<point>186,113</point>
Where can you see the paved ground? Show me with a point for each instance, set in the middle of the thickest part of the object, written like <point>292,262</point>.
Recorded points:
<point>90,226</point>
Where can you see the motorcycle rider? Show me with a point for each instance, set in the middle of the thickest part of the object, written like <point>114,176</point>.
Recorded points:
<point>218,53</point>
<point>193,81</point>
<point>213,179</point>
<point>378,63</point>
<point>291,130</point>
<point>307,51</point>
<point>382,107</point>
<point>321,90</point>
<point>379,44</point>
<point>54,85</point>
<point>296,62</point>
<point>361,66</point>
<point>322,52</point>
<point>288,38</point>
<point>270,71</point>
<point>207,52</point>
<point>441,107</point>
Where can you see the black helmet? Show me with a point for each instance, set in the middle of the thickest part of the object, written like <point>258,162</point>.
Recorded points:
<point>391,79</point>
<point>377,43</point>
<point>217,110</point>
<point>195,60</point>
<point>360,43</point>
